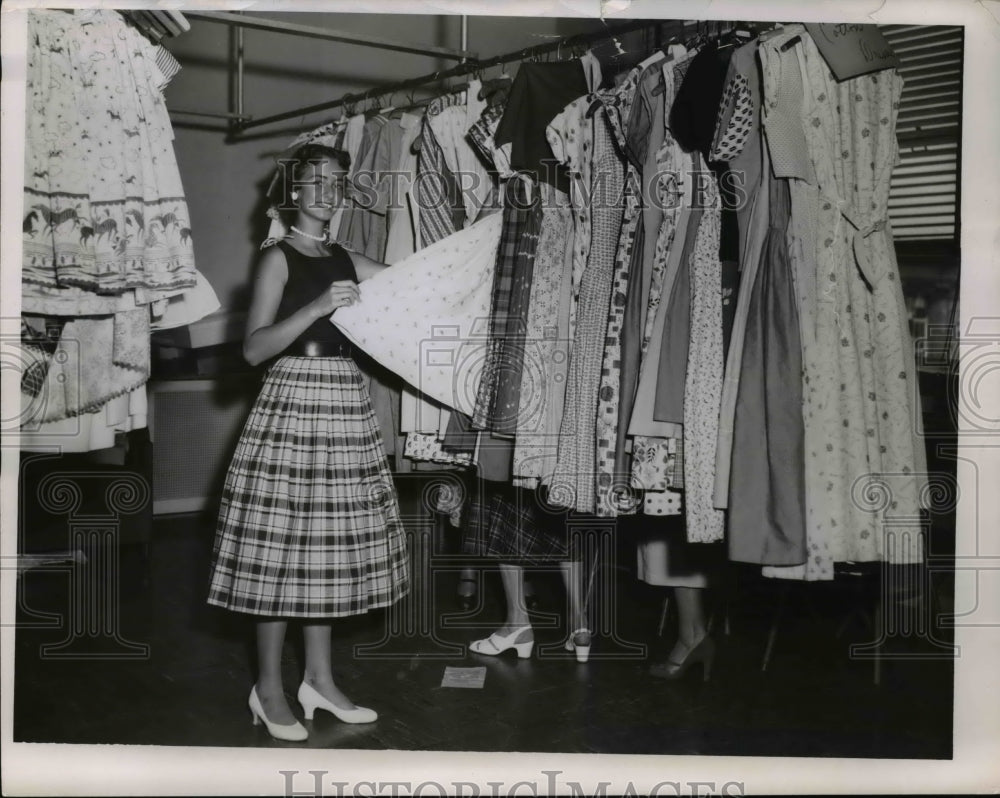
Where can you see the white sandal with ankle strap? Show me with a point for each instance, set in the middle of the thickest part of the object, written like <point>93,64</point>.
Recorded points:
<point>582,652</point>
<point>496,644</point>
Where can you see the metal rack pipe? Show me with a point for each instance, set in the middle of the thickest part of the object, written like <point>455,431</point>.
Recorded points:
<point>311,31</point>
<point>473,65</point>
<point>213,114</point>
<point>239,71</point>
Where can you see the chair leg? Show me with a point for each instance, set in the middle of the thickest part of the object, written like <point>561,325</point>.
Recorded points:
<point>879,607</point>
<point>724,612</point>
<point>848,617</point>
<point>663,616</point>
<point>773,633</point>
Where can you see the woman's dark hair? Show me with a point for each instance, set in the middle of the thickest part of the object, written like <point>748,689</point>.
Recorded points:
<point>290,171</point>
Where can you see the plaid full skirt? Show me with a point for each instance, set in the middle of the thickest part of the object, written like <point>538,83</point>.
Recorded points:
<point>511,524</point>
<point>309,523</point>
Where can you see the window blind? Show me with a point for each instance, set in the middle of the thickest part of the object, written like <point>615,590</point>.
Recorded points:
<point>924,192</point>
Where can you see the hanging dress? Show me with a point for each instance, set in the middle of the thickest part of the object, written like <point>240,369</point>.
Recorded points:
<point>571,136</point>
<point>865,465</point>
<point>692,121</point>
<point>646,132</point>
<point>767,494</point>
<point>656,445</point>
<point>760,426</point>
<point>574,481</point>
<point>435,341</point>
<point>739,141</point>
<point>563,247</point>
<point>612,491</point>
<point>543,376</point>
<point>539,92</point>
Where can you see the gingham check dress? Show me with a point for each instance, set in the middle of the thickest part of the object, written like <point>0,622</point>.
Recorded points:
<point>309,523</point>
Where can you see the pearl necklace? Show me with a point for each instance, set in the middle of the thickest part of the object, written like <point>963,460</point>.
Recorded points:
<point>310,236</point>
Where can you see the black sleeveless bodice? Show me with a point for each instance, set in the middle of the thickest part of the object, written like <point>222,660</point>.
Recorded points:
<point>308,277</point>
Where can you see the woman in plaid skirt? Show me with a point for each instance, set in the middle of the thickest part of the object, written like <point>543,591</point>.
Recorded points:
<point>309,524</point>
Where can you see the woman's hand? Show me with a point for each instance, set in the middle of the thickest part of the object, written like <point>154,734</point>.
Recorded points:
<point>337,295</point>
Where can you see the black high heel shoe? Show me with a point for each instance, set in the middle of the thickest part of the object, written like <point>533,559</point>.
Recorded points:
<point>703,653</point>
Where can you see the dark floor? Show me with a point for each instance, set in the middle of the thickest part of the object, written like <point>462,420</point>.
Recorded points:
<point>191,688</point>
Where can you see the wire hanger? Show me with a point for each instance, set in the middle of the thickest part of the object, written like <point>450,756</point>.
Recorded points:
<point>698,38</point>
<point>619,50</point>
<point>493,87</point>
<point>739,34</point>
<point>388,108</point>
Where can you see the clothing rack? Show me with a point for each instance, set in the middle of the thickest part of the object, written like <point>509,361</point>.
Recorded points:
<point>314,32</point>
<point>240,22</point>
<point>473,66</point>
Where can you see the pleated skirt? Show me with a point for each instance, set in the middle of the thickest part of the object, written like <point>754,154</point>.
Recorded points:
<point>516,525</point>
<point>309,523</point>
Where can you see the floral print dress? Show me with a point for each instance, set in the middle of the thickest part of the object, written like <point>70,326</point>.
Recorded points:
<point>611,497</point>
<point>865,466</point>
<point>546,356</point>
<point>703,381</point>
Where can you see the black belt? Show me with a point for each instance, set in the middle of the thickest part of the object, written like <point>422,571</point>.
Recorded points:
<point>321,349</point>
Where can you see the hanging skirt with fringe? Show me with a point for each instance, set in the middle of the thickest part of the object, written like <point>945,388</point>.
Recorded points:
<point>309,523</point>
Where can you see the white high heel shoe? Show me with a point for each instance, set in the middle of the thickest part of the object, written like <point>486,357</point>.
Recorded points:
<point>582,652</point>
<point>496,644</point>
<point>293,732</point>
<point>311,700</point>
